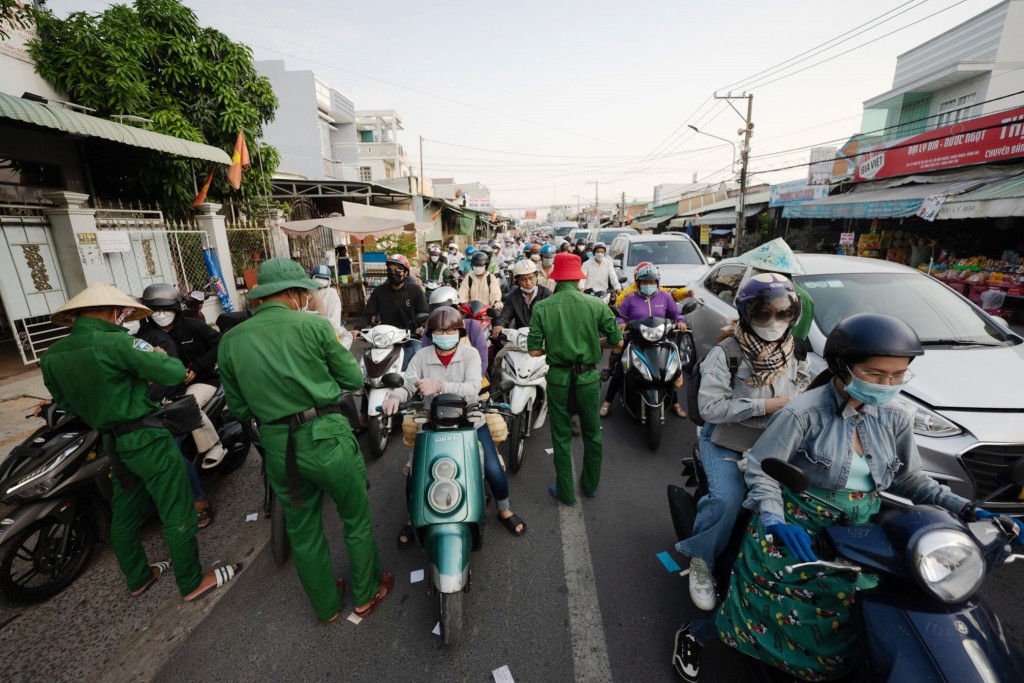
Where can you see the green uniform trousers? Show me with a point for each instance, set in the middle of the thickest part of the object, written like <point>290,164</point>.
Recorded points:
<point>161,469</point>
<point>329,462</point>
<point>587,401</point>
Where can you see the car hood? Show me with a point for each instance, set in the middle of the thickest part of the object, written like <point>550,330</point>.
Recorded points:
<point>970,377</point>
<point>674,275</point>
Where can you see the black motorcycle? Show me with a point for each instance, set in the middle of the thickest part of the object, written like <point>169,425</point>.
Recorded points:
<point>55,493</point>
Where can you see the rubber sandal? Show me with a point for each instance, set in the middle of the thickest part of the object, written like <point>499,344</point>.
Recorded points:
<point>511,523</point>
<point>205,515</point>
<point>223,575</point>
<point>160,568</point>
<point>387,582</point>
<point>340,583</point>
<point>408,533</point>
<point>605,409</point>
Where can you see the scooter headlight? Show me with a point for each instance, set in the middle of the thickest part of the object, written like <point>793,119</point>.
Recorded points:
<point>949,564</point>
<point>382,340</point>
<point>639,364</point>
<point>43,487</point>
<point>674,365</point>
<point>653,333</point>
<point>445,494</point>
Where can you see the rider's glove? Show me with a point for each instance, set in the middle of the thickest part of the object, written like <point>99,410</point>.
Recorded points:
<point>391,405</point>
<point>796,539</point>
<point>981,513</point>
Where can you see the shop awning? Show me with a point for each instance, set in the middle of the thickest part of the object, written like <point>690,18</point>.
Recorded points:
<point>995,200</point>
<point>76,123</point>
<point>652,223</point>
<point>727,217</point>
<point>892,202</point>
<point>359,221</point>
<point>722,231</point>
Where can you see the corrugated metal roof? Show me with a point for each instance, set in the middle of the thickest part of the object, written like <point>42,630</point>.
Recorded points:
<point>730,203</point>
<point>1007,188</point>
<point>76,123</point>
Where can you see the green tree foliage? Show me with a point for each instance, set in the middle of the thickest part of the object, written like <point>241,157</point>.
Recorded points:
<point>14,14</point>
<point>153,59</point>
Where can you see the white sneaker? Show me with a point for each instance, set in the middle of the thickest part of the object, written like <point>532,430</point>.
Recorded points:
<point>702,585</point>
<point>212,457</point>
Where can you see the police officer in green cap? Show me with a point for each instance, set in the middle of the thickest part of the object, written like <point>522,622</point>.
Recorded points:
<point>568,326</point>
<point>101,373</point>
<point>286,368</point>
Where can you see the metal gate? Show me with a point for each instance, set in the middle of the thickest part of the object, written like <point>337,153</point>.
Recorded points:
<point>31,281</point>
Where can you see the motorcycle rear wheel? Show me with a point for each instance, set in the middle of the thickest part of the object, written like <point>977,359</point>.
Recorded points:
<point>280,544</point>
<point>379,429</point>
<point>516,442</point>
<point>653,427</point>
<point>33,552</point>
<point>451,617</point>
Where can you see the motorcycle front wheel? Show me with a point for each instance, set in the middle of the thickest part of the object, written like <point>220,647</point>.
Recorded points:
<point>653,427</point>
<point>31,567</point>
<point>451,617</point>
<point>516,442</point>
<point>280,544</point>
<point>379,429</point>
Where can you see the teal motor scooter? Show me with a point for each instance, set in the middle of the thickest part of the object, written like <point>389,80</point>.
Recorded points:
<point>446,495</point>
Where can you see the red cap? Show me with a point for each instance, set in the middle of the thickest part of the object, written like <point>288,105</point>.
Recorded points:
<point>567,267</point>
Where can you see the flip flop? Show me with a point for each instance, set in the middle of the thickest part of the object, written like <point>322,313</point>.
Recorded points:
<point>408,533</point>
<point>387,582</point>
<point>223,575</point>
<point>340,583</point>
<point>205,515</point>
<point>160,568</point>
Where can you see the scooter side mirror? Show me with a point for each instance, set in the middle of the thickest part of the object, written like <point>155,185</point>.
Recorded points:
<point>421,318</point>
<point>615,311</point>
<point>1016,473</point>
<point>492,313</point>
<point>689,306</point>
<point>392,380</point>
<point>789,475</point>
<point>622,279</point>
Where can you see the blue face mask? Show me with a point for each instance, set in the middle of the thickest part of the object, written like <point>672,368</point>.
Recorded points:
<point>445,342</point>
<point>871,394</point>
<point>648,290</point>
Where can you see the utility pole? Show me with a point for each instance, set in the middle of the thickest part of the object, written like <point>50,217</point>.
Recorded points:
<point>746,132</point>
<point>622,211</point>
<point>421,166</point>
<point>597,217</point>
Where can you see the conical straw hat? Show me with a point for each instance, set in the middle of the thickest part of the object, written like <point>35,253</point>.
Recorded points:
<point>98,295</point>
<point>774,256</point>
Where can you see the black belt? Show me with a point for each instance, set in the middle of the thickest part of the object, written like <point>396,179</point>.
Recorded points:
<point>575,370</point>
<point>291,465</point>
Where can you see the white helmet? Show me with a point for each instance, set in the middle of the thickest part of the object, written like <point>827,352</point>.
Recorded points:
<point>524,267</point>
<point>444,296</point>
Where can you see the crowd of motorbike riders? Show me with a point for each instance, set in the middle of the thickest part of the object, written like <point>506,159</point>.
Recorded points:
<point>286,368</point>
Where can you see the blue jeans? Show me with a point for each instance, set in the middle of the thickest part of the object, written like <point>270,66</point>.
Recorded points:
<point>493,473</point>
<point>718,510</point>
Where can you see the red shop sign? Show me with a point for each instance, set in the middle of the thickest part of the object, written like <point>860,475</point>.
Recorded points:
<point>995,137</point>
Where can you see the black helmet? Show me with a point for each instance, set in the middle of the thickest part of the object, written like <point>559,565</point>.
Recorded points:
<point>870,334</point>
<point>445,318</point>
<point>161,296</point>
<point>480,258</point>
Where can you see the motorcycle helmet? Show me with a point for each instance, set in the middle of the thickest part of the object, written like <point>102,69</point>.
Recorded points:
<point>581,242</point>
<point>443,296</point>
<point>322,272</point>
<point>480,258</point>
<point>535,248</point>
<point>524,267</point>
<point>445,318</point>
<point>599,245</point>
<point>590,245</point>
<point>647,272</point>
<point>161,296</point>
<point>865,335</point>
<point>398,260</point>
<point>434,250</point>
<point>757,293</point>
<point>470,250</point>
<point>642,264</point>
<point>548,250</point>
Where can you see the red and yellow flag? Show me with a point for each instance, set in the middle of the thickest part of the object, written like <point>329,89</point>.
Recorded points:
<point>201,197</point>
<point>239,161</point>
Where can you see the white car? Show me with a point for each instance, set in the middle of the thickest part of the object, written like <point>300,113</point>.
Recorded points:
<point>968,388</point>
<point>677,256</point>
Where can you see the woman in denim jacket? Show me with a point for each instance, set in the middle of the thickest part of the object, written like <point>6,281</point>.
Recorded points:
<point>764,377</point>
<point>853,443</point>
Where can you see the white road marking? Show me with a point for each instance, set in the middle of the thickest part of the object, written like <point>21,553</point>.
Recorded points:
<point>586,628</point>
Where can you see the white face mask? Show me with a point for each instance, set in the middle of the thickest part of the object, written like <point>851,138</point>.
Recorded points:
<point>479,270</point>
<point>132,326</point>
<point>771,332</point>
<point>535,257</point>
<point>599,257</point>
<point>323,283</point>
<point>434,258</point>
<point>163,318</point>
<point>529,291</point>
<point>548,261</point>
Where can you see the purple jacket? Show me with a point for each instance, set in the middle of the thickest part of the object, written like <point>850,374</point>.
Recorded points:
<point>660,305</point>
<point>476,337</point>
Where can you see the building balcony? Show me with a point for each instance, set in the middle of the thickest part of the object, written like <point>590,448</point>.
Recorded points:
<point>382,150</point>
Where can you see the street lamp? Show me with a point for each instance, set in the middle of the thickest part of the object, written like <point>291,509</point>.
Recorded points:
<point>699,131</point>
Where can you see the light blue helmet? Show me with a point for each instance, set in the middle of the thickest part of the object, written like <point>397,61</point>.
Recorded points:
<point>322,272</point>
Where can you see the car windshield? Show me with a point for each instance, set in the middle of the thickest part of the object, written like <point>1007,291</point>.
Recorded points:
<point>564,230</point>
<point>607,236</point>
<point>937,314</point>
<point>659,252</point>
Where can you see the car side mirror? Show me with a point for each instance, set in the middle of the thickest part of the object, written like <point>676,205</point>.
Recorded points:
<point>712,260</point>
<point>392,380</point>
<point>786,474</point>
<point>689,306</point>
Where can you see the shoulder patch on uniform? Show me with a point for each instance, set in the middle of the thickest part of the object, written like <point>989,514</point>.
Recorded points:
<point>142,345</point>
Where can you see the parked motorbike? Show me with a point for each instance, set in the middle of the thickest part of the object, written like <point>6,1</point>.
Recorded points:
<point>524,386</point>
<point>923,621</point>
<point>387,353</point>
<point>55,494</point>
<point>446,497</point>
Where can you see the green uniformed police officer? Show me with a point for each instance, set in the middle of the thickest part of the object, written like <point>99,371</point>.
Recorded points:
<point>286,368</point>
<point>100,373</point>
<point>568,327</point>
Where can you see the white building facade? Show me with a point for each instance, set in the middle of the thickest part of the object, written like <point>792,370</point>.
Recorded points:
<point>381,157</point>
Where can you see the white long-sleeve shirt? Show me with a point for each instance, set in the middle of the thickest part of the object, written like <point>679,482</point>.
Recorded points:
<point>600,276</point>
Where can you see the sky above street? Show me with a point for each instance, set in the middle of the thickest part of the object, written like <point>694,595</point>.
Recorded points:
<point>555,94</point>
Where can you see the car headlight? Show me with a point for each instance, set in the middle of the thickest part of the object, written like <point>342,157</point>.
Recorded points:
<point>927,422</point>
<point>949,564</point>
<point>653,333</point>
<point>637,361</point>
<point>37,474</point>
<point>445,494</point>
